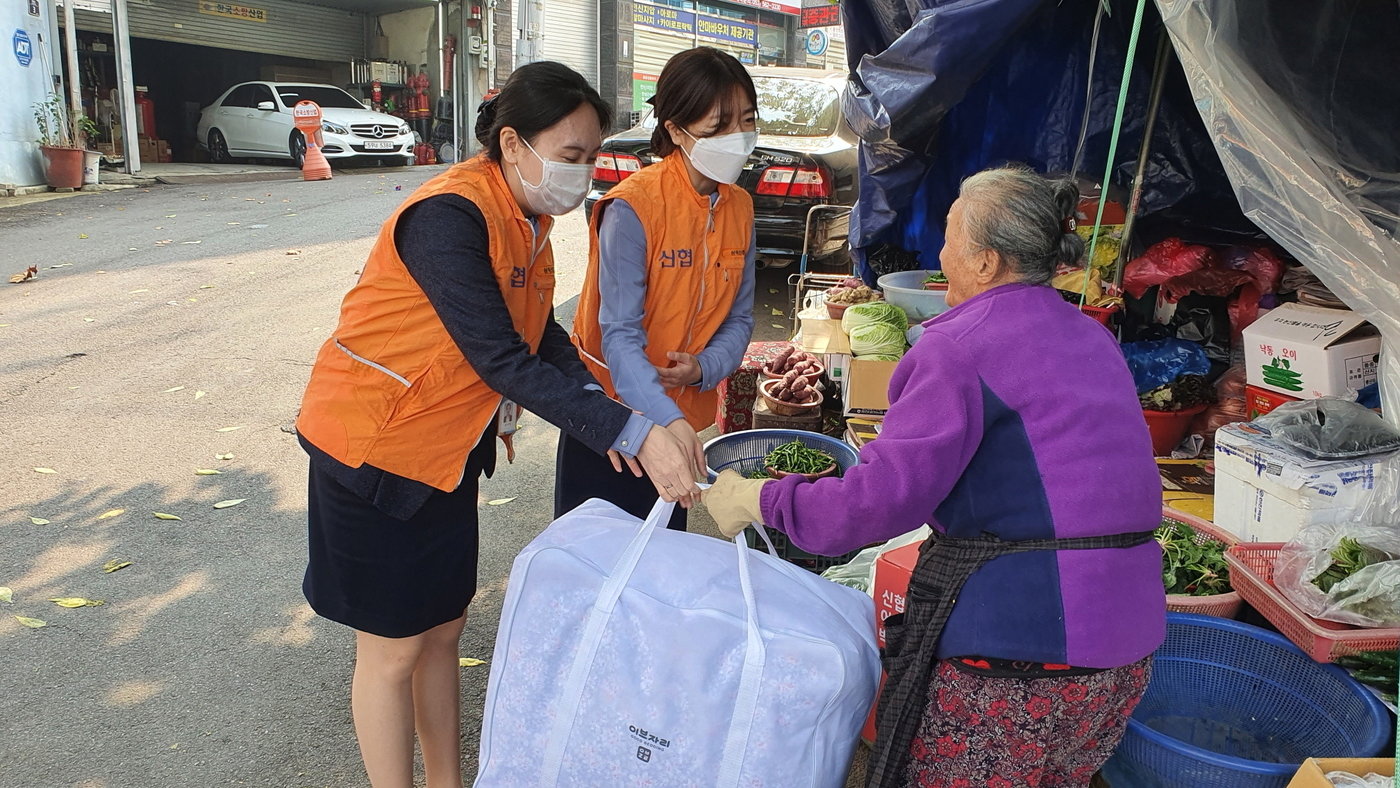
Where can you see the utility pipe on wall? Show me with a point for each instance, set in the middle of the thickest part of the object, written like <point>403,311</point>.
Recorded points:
<point>126,91</point>
<point>75,88</point>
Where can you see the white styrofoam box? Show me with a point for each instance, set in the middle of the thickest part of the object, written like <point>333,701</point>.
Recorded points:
<point>1265,492</point>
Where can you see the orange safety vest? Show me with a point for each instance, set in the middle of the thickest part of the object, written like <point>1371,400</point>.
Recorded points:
<point>391,388</point>
<point>695,265</point>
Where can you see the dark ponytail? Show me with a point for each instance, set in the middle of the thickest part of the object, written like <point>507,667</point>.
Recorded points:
<point>536,97</point>
<point>1066,193</point>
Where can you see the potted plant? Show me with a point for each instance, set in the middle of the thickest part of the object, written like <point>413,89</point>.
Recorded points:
<point>61,143</point>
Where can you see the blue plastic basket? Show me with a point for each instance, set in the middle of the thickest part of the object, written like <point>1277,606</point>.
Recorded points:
<point>743,452</point>
<point>1235,706</point>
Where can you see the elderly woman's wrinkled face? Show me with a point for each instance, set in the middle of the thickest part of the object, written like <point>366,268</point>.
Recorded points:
<point>957,260</point>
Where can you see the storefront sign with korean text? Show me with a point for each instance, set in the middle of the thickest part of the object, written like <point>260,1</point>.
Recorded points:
<point>825,15</point>
<point>233,11</point>
<point>686,23</point>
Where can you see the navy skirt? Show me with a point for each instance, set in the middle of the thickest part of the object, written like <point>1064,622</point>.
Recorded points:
<point>387,576</point>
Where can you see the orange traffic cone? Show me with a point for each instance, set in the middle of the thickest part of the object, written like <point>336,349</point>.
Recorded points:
<point>314,166</point>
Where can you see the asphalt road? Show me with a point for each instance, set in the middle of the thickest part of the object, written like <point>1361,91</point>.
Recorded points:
<point>168,327</point>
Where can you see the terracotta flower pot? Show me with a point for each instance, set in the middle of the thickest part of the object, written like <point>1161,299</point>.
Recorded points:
<point>63,167</point>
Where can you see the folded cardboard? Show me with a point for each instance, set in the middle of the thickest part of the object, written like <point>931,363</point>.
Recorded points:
<point>1266,492</point>
<point>1307,351</point>
<point>867,389</point>
<point>1258,402</point>
<point>1314,771</point>
<point>820,334</point>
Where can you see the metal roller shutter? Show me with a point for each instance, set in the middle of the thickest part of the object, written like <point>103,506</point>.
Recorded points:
<point>287,27</point>
<point>569,35</point>
<point>652,48</point>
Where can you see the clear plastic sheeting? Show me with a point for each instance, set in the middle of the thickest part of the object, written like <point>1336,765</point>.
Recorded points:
<point>1303,108</point>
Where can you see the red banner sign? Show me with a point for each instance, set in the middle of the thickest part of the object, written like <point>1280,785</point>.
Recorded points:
<point>821,16</point>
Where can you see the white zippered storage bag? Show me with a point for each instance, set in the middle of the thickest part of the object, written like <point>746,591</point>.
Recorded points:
<point>633,655</point>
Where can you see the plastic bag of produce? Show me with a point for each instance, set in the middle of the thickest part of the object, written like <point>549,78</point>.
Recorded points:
<point>629,654</point>
<point>877,339</point>
<point>1330,428</point>
<point>1230,405</point>
<point>859,572</point>
<point>1156,363</point>
<point>875,312</point>
<point>1165,260</point>
<point>1259,262</point>
<point>1346,573</point>
<point>1349,780</point>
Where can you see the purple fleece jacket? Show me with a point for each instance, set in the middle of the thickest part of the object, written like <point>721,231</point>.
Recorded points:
<point>1015,415</point>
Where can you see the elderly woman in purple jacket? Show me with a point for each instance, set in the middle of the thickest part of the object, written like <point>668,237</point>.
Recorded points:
<point>1014,431</point>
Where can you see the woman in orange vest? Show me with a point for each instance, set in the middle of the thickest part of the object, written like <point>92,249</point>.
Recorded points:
<point>451,321</point>
<point>666,311</point>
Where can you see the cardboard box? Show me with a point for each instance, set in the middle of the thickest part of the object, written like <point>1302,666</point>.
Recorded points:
<point>1259,401</point>
<point>1307,351</point>
<point>868,388</point>
<point>1264,492</point>
<point>822,335</point>
<point>892,573</point>
<point>1313,773</point>
<point>149,149</point>
<point>379,71</point>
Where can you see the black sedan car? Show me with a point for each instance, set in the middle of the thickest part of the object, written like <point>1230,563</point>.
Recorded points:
<point>806,156</point>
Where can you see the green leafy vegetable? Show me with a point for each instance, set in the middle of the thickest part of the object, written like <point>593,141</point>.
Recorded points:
<point>936,278</point>
<point>875,312</point>
<point>794,457</point>
<point>1348,558</point>
<point>877,339</point>
<point>1192,564</point>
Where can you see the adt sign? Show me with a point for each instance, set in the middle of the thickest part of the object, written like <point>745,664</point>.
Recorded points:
<point>24,48</point>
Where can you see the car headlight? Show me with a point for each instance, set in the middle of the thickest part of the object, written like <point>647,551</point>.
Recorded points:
<point>404,129</point>
<point>333,128</point>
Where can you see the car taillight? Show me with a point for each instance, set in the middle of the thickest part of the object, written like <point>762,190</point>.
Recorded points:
<point>615,167</point>
<point>808,182</point>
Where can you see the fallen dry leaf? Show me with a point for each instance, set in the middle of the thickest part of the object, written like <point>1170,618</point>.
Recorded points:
<point>777,325</point>
<point>773,291</point>
<point>469,662</point>
<point>293,251</point>
<point>110,513</point>
<point>206,287</point>
<point>228,503</point>
<point>25,275</point>
<point>115,565</point>
<point>82,235</point>
<point>206,472</point>
<point>72,602</point>
<point>777,313</point>
<point>173,390</point>
<point>89,320</point>
<point>228,456</point>
<point>189,243</point>
<point>229,429</point>
<point>499,501</point>
<point>6,595</point>
<point>164,516</point>
<point>61,265</point>
<point>38,521</point>
<point>45,470</point>
<point>32,623</point>
<point>141,290</point>
<point>198,394</point>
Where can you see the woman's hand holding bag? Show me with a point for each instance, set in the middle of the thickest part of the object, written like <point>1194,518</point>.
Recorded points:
<point>671,466</point>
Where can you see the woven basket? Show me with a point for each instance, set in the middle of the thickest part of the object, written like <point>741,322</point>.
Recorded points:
<point>1219,605</point>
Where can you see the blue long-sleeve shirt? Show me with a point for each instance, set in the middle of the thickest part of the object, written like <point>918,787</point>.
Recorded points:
<point>622,286</point>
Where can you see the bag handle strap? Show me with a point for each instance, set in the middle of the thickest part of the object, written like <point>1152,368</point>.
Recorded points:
<point>755,656</point>
<point>572,693</point>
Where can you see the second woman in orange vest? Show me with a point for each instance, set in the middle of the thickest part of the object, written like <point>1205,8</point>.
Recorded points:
<point>452,316</point>
<point>666,311</point>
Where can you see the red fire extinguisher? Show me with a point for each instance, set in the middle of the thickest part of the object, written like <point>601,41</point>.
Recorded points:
<point>145,114</point>
<point>449,54</point>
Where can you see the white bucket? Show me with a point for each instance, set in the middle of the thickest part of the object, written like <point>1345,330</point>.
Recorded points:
<point>92,164</point>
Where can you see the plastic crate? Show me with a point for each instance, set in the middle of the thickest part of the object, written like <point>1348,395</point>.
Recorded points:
<point>1235,706</point>
<point>1252,576</point>
<point>1225,605</point>
<point>743,452</point>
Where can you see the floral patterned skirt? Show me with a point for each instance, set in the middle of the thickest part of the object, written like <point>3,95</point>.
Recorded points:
<point>981,732</point>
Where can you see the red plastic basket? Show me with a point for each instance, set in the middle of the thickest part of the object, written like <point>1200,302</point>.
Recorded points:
<point>1252,575</point>
<point>1219,605</point>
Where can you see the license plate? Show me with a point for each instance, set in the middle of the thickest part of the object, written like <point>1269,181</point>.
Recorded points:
<point>379,145</point>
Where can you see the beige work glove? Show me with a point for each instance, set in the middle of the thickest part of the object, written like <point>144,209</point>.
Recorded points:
<point>733,501</point>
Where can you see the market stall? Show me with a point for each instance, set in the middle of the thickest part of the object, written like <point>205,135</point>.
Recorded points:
<point>1239,211</point>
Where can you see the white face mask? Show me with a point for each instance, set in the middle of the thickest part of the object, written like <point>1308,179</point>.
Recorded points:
<point>562,186</point>
<point>722,158</point>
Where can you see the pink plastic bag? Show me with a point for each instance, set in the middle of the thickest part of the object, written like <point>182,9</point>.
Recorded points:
<point>1165,260</point>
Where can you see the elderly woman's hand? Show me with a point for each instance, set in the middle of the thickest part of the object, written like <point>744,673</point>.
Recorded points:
<point>733,501</point>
